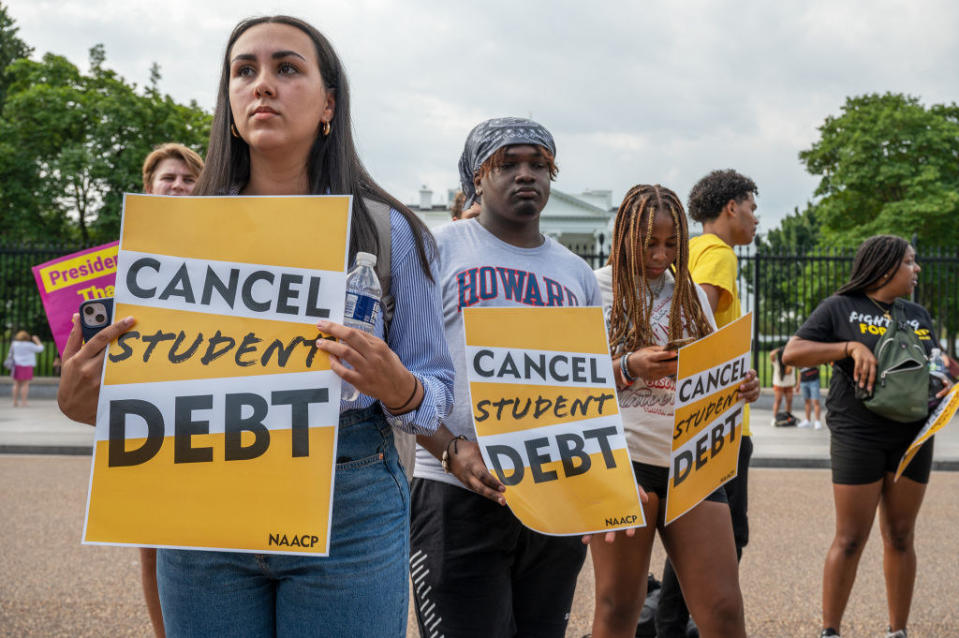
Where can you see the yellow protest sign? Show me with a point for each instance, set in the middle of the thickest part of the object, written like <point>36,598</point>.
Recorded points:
<point>708,416</point>
<point>543,398</point>
<point>939,419</point>
<point>217,417</point>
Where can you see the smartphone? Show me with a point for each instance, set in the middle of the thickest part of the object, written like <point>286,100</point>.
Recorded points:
<point>676,344</point>
<point>95,315</point>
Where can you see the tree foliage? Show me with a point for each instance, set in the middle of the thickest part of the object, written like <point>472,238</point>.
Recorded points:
<point>11,47</point>
<point>888,164</point>
<point>72,143</point>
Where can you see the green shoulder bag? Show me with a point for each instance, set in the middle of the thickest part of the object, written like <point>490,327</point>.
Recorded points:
<point>901,390</point>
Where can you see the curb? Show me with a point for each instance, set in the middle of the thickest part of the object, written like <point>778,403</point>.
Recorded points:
<point>58,450</point>
<point>779,463</point>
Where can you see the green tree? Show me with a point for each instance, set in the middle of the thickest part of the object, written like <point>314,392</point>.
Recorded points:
<point>888,164</point>
<point>71,144</point>
<point>11,47</point>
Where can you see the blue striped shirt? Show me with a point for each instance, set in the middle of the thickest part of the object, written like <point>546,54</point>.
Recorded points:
<point>416,334</point>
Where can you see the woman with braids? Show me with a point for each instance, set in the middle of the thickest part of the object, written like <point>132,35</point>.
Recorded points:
<point>865,448</point>
<point>282,127</point>
<point>650,300</point>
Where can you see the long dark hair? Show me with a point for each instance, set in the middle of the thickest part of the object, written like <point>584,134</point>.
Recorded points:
<point>629,326</point>
<point>875,257</point>
<point>333,164</point>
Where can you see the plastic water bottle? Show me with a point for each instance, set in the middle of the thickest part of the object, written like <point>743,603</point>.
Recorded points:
<point>363,295</point>
<point>937,366</point>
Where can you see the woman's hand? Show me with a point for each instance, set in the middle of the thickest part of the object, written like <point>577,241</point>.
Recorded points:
<point>466,464</point>
<point>947,386</point>
<point>652,362</point>
<point>864,370</point>
<point>376,370</point>
<point>82,368</point>
<point>609,537</point>
<point>749,388</point>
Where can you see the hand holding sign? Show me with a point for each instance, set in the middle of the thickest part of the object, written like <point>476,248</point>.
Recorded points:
<point>749,388</point>
<point>466,464</point>
<point>375,370</point>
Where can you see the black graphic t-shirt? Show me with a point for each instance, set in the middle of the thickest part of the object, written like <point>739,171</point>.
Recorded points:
<point>859,318</point>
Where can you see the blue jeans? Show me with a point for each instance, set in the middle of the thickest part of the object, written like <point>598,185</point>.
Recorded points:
<point>360,589</point>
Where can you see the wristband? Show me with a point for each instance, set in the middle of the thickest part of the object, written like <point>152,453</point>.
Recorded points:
<point>399,410</point>
<point>445,461</point>
<point>624,369</point>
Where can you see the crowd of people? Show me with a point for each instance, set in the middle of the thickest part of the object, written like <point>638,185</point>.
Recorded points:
<point>282,127</point>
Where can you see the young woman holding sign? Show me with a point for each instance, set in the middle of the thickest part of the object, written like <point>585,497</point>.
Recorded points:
<point>651,303</point>
<point>865,448</point>
<point>282,127</point>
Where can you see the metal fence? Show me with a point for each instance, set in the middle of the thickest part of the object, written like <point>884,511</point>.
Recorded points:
<point>20,305</point>
<point>781,289</point>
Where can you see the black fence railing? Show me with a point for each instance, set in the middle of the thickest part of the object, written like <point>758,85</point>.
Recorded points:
<point>781,289</point>
<point>20,305</point>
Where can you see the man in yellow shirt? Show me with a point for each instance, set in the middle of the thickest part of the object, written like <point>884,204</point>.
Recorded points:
<point>724,203</point>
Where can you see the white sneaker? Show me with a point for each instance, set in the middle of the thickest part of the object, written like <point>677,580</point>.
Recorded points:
<point>901,633</point>
<point>773,422</point>
<point>817,425</point>
<point>804,424</point>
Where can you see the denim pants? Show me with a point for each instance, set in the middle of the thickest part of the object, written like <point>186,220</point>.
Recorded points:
<point>360,589</point>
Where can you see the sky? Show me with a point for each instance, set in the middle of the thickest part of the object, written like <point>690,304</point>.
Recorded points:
<point>633,92</point>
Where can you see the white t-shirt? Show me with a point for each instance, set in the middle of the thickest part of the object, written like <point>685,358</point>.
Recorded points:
<point>25,353</point>
<point>647,406</point>
<point>477,269</point>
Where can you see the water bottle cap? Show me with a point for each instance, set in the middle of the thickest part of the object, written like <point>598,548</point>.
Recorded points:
<point>365,259</point>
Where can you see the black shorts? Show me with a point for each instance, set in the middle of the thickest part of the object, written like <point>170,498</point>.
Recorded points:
<point>477,571</point>
<point>655,480</point>
<point>855,462</point>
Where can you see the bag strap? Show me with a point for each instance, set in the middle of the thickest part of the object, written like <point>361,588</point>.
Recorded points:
<point>380,213</point>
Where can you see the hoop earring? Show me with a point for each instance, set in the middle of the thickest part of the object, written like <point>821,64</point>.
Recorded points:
<point>233,130</point>
<point>327,127</point>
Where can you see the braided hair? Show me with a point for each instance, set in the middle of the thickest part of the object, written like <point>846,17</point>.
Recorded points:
<point>877,256</point>
<point>629,321</point>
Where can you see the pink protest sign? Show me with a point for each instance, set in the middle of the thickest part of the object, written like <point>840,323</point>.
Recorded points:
<point>67,281</point>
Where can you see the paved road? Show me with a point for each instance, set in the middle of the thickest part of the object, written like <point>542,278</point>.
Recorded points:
<point>50,585</point>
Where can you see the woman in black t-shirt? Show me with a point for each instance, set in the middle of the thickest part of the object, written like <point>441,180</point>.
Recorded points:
<point>865,448</point>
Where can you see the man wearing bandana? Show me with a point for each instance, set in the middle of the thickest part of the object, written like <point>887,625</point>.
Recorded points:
<point>476,570</point>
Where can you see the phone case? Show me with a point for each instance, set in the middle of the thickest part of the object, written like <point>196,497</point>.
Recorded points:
<point>95,315</point>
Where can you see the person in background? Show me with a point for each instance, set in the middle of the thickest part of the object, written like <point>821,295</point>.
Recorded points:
<point>650,301</point>
<point>784,382</point>
<point>865,448</point>
<point>476,570</point>
<point>24,349</point>
<point>724,203</point>
<point>170,169</point>
<point>457,211</point>
<point>809,388</point>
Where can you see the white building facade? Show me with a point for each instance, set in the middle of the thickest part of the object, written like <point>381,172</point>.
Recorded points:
<point>581,222</point>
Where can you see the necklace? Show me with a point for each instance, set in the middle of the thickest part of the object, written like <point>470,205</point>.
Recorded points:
<point>656,285</point>
<point>884,311</point>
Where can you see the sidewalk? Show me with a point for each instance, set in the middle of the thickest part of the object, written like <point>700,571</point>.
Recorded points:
<point>40,428</point>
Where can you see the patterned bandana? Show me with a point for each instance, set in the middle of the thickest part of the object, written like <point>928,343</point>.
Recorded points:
<point>490,136</point>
